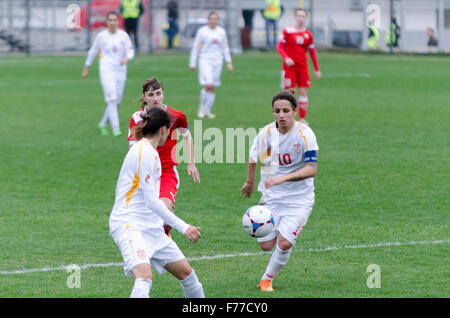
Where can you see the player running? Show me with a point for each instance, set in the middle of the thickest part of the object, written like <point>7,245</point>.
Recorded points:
<point>296,41</point>
<point>115,51</point>
<point>153,97</point>
<point>211,45</point>
<point>138,215</point>
<point>287,150</point>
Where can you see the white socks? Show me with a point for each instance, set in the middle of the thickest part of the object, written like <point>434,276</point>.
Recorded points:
<point>192,287</point>
<point>206,101</point>
<point>210,97</point>
<point>201,107</point>
<point>111,114</point>
<point>277,261</point>
<point>141,288</point>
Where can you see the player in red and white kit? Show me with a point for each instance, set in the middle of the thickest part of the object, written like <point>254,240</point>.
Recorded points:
<point>153,96</point>
<point>293,46</point>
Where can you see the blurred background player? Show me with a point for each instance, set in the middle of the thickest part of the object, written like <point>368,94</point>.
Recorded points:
<point>138,215</point>
<point>287,150</point>
<point>295,42</point>
<point>115,51</point>
<point>131,10</point>
<point>153,97</point>
<point>211,45</point>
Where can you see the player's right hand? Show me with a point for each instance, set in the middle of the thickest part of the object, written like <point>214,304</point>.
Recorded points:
<point>247,190</point>
<point>289,61</point>
<point>85,74</point>
<point>193,68</point>
<point>193,233</point>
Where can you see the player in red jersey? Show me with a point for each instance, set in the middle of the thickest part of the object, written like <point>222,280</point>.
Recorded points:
<point>153,96</point>
<point>294,45</point>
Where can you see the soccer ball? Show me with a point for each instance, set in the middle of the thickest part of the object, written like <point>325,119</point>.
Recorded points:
<point>258,221</point>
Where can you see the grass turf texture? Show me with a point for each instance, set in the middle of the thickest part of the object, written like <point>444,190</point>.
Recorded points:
<point>382,127</point>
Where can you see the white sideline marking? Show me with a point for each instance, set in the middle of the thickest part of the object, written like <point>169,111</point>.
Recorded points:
<point>220,256</point>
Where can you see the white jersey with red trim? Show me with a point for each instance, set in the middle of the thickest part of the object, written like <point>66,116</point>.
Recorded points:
<point>281,154</point>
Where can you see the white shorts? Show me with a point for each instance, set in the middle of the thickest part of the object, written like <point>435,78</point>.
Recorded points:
<point>289,226</point>
<point>140,248</point>
<point>113,84</point>
<point>209,72</point>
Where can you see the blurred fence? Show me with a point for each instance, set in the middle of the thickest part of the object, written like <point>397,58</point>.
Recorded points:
<point>56,26</point>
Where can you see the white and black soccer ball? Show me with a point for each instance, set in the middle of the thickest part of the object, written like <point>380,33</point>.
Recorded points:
<point>258,221</point>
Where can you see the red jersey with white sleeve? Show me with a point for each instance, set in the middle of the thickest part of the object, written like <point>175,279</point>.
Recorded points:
<point>167,152</point>
<point>295,43</point>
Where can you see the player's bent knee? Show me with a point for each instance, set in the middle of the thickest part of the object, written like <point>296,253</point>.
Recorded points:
<point>284,244</point>
<point>267,246</point>
<point>180,269</point>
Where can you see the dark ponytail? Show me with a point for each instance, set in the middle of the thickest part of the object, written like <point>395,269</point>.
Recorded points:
<point>152,121</point>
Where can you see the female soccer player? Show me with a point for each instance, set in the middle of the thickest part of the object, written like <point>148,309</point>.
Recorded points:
<point>136,220</point>
<point>287,150</point>
<point>296,41</point>
<point>153,97</point>
<point>211,45</point>
<point>115,51</point>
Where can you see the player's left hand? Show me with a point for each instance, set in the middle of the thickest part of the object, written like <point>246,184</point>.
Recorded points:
<point>124,61</point>
<point>317,75</point>
<point>193,171</point>
<point>272,181</point>
<point>230,67</point>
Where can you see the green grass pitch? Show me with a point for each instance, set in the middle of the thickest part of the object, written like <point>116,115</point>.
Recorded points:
<point>382,126</point>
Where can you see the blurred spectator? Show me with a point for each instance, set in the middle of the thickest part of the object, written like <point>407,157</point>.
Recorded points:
<point>374,36</point>
<point>271,14</point>
<point>247,14</point>
<point>393,34</point>
<point>131,10</point>
<point>432,41</point>
<point>172,15</point>
<point>246,31</point>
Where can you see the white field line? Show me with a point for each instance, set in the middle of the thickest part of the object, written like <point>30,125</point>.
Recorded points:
<point>221,256</point>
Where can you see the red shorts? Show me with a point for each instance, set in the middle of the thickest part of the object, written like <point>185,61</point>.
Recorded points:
<point>170,182</point>
<point>292,77</point>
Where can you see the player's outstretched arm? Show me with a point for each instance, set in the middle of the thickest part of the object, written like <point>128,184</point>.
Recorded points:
<point>191,167</point>
<point>313,56</point>
<point>156,205</point>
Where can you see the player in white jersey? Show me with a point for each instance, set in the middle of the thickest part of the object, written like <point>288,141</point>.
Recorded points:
<point>115,51</point>
<point>287,151</point>
<point>211,46</point>
<point>137,218</point>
